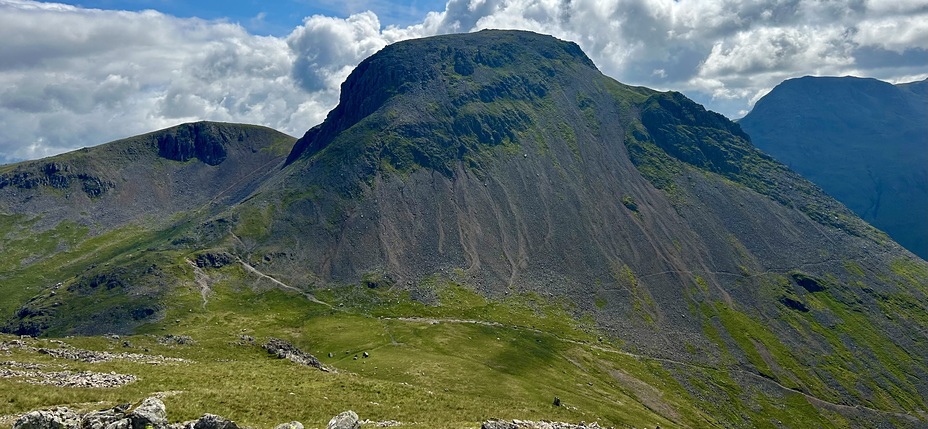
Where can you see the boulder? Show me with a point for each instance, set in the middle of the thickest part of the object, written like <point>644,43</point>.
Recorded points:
<point>58,418</point>
<point>291,425</point>
<point>345,420</point>
<point>212,421</point>
<point>150,414</point>
<point>104,418</point>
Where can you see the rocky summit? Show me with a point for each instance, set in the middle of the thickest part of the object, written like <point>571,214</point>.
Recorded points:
<point>496,220</point>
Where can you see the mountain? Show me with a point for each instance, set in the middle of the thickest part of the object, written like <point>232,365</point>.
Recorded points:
<point>864,141</point>
<point>146,178</point>
<point>499,187</point>
<point>100,202</point>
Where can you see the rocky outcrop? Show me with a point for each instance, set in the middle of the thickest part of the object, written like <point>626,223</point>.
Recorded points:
<point>55,175</point>
<point>345,420</point>
<point>199,140</point>
<point>284,350</point>
<point>214,260</point>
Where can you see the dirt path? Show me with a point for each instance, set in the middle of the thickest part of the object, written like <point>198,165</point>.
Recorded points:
<point>255,271</point>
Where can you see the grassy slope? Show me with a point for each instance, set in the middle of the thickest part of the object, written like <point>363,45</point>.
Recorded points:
<point>446,374</point>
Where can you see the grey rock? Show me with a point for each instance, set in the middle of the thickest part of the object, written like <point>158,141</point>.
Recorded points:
<point>212,421</point>
<point>497,424</point>
<point>120,424</point>
<point>103,418</point>
<point>170,339</point>
<point>284,350</point>
<point>291,425</point>
<point>58,418</point>
<point>150,413</point>
<point>345,420</point>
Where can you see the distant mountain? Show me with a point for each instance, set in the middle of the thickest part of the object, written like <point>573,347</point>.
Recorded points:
<point>63,214</point>
<point>504,164</point>
<point>147,178</point>
<point>864,141</point>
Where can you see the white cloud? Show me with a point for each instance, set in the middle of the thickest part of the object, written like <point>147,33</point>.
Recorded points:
<point>71,77</point>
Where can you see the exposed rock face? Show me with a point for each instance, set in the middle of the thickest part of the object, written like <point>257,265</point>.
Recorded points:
<point>290,425</point>
<point>345,420</point>
<point>193,140</point>
<point>57,176</point>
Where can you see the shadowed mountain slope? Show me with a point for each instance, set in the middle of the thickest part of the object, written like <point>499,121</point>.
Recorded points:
<point>863,141</point>
<point>505,163</point>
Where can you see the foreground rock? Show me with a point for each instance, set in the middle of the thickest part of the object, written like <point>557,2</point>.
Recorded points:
<point>150,414</point>
<point>345,420</point>
<point>58,418</point>
<point>208,421</point>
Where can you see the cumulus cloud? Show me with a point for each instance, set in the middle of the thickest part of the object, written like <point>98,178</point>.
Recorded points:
<point>71,77</point>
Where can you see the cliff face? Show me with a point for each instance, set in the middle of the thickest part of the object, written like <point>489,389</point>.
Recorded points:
<point>199,140</point>
<point>864,141</point>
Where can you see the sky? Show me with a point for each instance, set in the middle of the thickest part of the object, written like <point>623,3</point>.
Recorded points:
<point>77,74</point>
